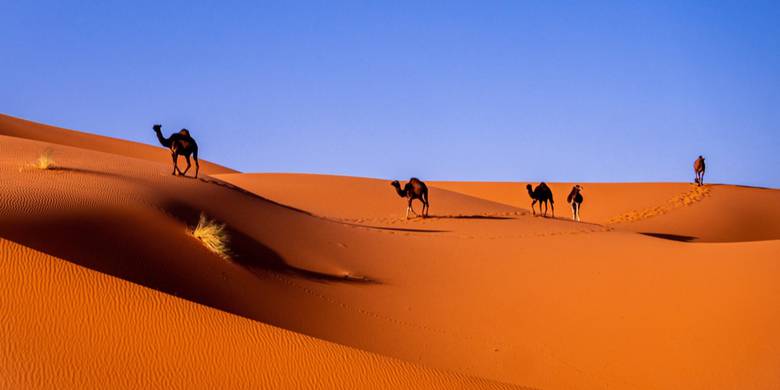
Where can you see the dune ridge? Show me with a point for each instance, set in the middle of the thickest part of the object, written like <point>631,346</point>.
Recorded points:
<point>22,128</point>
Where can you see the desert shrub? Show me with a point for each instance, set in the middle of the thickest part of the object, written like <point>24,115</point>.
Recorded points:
<point>213,236</point>
<point>45,160</point>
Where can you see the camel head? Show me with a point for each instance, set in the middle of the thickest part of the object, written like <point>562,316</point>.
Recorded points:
<point>157,127</point>
<point>401,192</point>
<point>529,187</point>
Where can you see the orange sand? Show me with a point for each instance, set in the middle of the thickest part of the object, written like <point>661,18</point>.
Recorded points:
<point>481,295</point>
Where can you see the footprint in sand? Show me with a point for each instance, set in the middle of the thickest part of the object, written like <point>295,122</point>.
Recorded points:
<point>685,199</point>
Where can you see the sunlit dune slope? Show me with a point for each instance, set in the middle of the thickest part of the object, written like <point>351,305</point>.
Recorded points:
<point>359,199</point>
<point>374,203</point>
<point>68,327</point>
<point>16,127</point>
<point>680,211</point>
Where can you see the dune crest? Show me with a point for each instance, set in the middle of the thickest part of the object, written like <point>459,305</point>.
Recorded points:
<point>22,128</point>
<point>696,194</point>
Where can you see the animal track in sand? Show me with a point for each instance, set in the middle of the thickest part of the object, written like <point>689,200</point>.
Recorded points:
<point>685,199</point>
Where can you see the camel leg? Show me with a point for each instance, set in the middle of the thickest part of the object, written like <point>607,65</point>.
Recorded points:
<point>411,206</point>
<point>197,166</point>
<point>701,179</point>
<point>578,212</point>
<point>573,211</point>
<point>187,158</point>
<point>175,158</point>
<point>552,206</point>
<point>533,210</point>
<point>544,202</point>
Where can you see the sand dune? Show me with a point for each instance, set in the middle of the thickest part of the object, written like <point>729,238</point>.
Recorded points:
<point>483,293</point>
<point>76,328</point>
<point>16,127</point>
<point>718,213</point>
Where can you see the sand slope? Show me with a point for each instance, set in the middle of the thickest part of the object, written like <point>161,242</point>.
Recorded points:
<point>68,327</point>
<point>17,127</point>
<point>484,290</point>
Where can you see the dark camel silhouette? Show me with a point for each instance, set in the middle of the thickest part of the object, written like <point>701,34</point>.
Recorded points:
<point>698,168</point>
<point>414,189</point>
<point>541,194</point>
<point>575,198</point>
<point>180,143</point>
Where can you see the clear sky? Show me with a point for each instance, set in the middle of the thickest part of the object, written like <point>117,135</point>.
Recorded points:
<point>515,90</point>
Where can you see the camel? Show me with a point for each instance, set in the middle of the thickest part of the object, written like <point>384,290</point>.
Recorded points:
<point>575,198</point>
<point>414,189</point>
<point>698,168</point>
<point>541,194</point>
<point>180,143</point>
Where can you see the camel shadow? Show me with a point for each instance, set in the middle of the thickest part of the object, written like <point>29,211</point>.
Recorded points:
<point>667,236</point>
<point>395,229</point>
<point>475,216</point>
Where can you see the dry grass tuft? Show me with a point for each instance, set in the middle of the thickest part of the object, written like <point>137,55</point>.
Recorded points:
<point>212,235</point>
<point>45,160</point>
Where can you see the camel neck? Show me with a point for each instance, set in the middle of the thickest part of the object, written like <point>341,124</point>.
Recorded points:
<point>164,141</point>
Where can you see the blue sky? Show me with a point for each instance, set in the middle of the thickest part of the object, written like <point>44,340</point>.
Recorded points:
<point>515,90</point>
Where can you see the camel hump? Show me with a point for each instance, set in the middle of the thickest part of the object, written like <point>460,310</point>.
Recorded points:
<point>698,165</point>
<point>184,132</point>
<point>416,183</point>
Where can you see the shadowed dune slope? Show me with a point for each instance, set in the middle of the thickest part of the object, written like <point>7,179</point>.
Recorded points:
<point>76,328</point>
<point>21,128</point>
<point>544,303</point>
<point>719,213</point>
